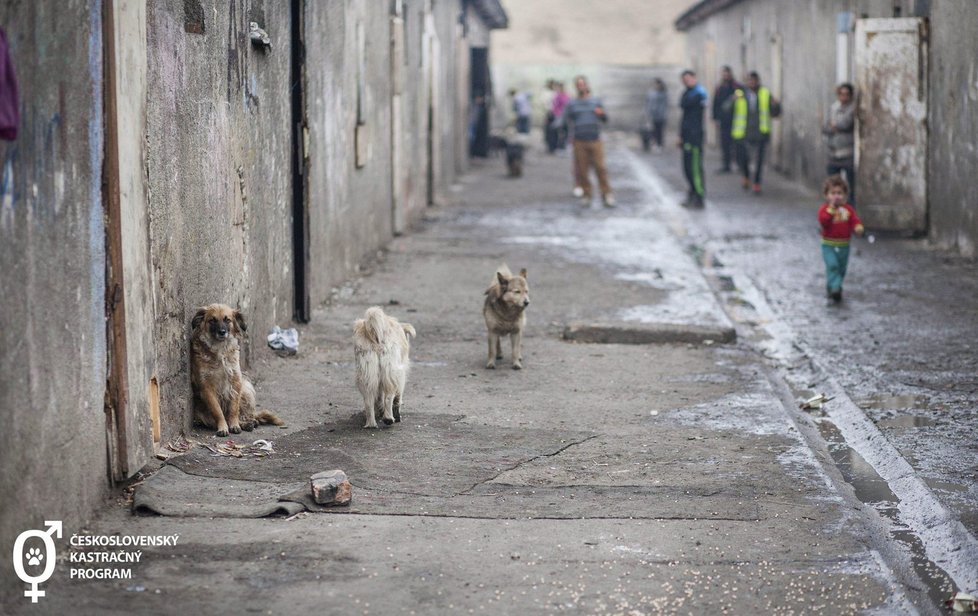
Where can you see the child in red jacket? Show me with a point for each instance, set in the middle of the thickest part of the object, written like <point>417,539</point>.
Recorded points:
<point>838,220</point>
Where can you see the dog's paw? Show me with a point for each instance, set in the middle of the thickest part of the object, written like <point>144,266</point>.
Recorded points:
<point>518,365</point>
<point>222,432</point>
<point>491,365</point>
<point>388,421</point>
<point>235,429</point>
<point>249,424</point>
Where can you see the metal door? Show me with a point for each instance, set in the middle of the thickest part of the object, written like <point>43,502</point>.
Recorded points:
<point>891,138</point>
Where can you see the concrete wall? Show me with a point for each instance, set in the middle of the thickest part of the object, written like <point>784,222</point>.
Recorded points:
<point>349,206</point>
<point>953,120</point>
<point>205,191</point>
<point>219,143</point>
<point>614,32</point>
<point>52,290</point>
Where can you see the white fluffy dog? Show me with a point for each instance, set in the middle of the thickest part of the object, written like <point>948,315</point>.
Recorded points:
<point>381,348</point>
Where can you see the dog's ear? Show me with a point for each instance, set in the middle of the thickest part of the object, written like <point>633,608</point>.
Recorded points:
<point>239,319</point>
<point>503,280</point>
<point>523,273</point>
<point>198,318</point>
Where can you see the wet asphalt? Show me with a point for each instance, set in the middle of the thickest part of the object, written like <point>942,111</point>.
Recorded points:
<point>602,478</point>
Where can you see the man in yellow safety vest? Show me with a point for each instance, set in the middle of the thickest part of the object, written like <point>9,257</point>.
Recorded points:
<point>753,107</point>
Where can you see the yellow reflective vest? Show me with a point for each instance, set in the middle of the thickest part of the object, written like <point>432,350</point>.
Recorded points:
<point>739,129</point>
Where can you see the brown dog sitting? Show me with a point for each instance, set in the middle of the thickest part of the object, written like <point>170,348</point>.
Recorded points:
<point>505,313</point>
<point>224,399</point>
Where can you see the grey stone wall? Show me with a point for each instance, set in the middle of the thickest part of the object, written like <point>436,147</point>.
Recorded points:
<point>953,121</point>
<point>206,186</point>
<point>219,143</point>
<point>52,287</point>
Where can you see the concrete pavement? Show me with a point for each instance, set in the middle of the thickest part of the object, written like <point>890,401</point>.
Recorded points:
<point>601,479</point>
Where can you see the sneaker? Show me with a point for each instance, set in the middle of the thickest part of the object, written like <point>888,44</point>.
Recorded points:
<point>698,202</point>
<point>836,296</point>
<point>578,192</point>
<point>609,200</point>
<point>745,183</point>
<point>756,188</point>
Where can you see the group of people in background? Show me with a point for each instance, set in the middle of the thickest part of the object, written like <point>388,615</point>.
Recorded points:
<point>743,115</point>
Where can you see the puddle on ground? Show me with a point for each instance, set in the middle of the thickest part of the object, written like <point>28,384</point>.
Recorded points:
<point>906,421</point>
<point>872,490</point>
<point>895,403</point>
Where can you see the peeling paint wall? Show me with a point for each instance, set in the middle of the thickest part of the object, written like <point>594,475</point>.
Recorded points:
<point>219,143</point>
<point>206,190</point>
<point>953,121</point>
<point>52,328</point>
<point>347,98</point>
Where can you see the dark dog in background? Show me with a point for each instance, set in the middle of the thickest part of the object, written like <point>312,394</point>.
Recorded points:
<point>224,398</point>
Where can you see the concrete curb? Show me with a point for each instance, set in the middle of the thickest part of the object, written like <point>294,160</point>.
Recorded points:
<point>648,333</point>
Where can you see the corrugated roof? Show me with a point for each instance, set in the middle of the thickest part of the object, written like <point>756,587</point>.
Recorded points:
<point>700,11</point>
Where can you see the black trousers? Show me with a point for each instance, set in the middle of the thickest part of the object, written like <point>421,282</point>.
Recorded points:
<point>847,170</point>
<point>726,145</point>
<point>744,148</point>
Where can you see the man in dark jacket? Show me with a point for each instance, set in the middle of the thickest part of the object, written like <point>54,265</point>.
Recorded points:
<point>724,117</point>
<point>693,104</point>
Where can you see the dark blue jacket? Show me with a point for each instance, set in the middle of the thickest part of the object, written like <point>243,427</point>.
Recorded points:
<point>693,103</point>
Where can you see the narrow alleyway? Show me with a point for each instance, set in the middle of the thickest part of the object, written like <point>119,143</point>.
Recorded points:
<point>600,479</point>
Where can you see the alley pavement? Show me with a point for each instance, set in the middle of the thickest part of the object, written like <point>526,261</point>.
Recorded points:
<point>663,477</point>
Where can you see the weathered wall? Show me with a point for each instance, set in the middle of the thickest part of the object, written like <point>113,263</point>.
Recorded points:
<point>218,163</point>
<point>953,120</point>
<point>349,206</point>
<point>52,329</point>
<point>206,196</point>
<point>618,32</point>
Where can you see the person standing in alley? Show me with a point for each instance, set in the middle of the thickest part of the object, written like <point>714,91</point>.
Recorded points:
<point>656,109</point>
<point>522,109</point>
<point>839,221</point>
<point>723,116</point>
<point>753,108</point>
<point>839,129</point>
<point>693,103</point>
<point>584,116</point>
<point>556,136</point>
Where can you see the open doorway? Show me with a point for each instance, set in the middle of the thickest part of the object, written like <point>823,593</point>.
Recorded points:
<point>300,165</point>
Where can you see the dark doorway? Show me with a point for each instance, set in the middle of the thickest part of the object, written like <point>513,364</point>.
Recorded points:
<point>300,166</point>
<point>481,92</point>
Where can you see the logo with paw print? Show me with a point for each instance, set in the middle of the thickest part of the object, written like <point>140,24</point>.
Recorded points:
<point>34,556</point>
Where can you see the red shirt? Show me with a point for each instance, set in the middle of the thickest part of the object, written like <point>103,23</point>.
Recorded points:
<point>838,227</point>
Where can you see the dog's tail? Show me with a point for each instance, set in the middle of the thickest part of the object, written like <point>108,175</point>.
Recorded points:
<point>268,417</point>
<point>374,324</point>
<point>409,330</point>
